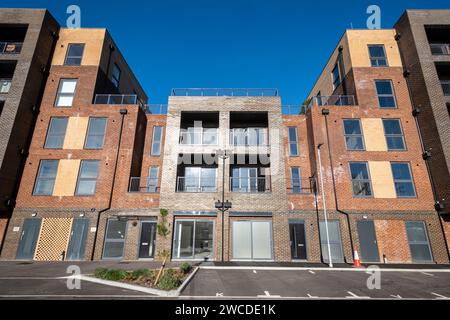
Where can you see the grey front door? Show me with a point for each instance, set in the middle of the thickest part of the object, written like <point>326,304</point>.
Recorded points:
<point>368,241</point>
<point>28,239</point>
<point>147,241</point>
<point>77,242</point>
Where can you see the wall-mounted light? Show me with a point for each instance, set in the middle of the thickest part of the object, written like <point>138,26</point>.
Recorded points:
<point>34,214</point>
<point>365,217</point>
<point>81,215</point>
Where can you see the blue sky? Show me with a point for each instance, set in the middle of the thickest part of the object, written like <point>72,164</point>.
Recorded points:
<point>227,43</point>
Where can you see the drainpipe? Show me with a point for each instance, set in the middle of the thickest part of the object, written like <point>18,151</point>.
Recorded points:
<point>123,112</point>
<point>325,113</point>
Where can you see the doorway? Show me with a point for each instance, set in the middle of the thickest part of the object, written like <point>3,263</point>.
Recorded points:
<point>297,240</point>
<point>147,240</point>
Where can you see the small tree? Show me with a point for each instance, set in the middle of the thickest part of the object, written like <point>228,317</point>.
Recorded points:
<point>163,231</point>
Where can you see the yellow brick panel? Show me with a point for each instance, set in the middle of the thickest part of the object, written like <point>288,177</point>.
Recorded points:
<point>382,180</point>
<point>53,239</point>
<point>76,133</point>
<point>373,131</point>
<point>66,178</point>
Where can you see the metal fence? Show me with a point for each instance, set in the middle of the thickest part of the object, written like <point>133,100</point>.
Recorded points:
<point>10,47</point>
<point>293,109</point>
<point>250,184</point>
<point>228,92</point>
<point>115,99</point>
<point>196,184</point>
<point>5,85</point>
<point>301,185</point>
<point>156,108</point>
<point>440,48</point>
<point>335,100</point>
<point>144,184</point>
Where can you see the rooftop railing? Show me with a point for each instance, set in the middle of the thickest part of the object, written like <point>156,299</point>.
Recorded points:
<point>293,110</point>
<point>5,85</point>
<point>225,92</point>
<point>440,48</point>
<point>156,108</point>
<point>10,47</point>
<point>446,87</point>
<point>336,100</point>
<point>115,99</point>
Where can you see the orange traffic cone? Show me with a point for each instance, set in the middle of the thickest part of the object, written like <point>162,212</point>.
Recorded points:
<point>356,261</point>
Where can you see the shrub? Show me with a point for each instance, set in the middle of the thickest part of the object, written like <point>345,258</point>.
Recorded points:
<point>185,267</point>
<point>169,280</point>
<point>100,272</point>
<point>141,273</point>
<point>114,274</point>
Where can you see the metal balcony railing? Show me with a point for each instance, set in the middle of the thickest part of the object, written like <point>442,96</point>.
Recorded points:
<point>336,100</point>
<point>196,184</point>
<point>5,85</point>
<point>227,92</point>
<point>10,47</point>
<point>143,184</point>
<point>115,99</point>
<point>301,185</point>
<point>156,108</point>
<point>440,48</point>
<point>249,137</point>
<point>446,87</point>
<point>293,110</point>
<point>199,136</point>
<point>250,184</point>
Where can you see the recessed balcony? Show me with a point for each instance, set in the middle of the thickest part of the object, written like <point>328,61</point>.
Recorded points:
<point>116,99</point>
<point>12,38</point>
<point>143,185</point>
<point>5,85</point>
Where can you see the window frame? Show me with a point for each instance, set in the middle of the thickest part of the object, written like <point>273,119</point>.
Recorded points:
<point>386,95</point>
<point>160,142</point>
<point>411,179</point>
<point>401,134</point>
<point>60,94</point>
<point>336,82</point>
<point>114,79</point>
<point>368,180</point>
<point>88,130</point>
<point>83,45</point>
<point>49,133</point>
<point>361,135</point>
<point>414,242</point>
<point>149,186</point>
<point>79,179</point>
<point>123,241</point>
<point>37,178</point>
<point>378,58</point>
<point>290,143</point>
<point>298,185</point>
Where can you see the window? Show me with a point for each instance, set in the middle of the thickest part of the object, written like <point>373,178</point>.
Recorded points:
<point>45,179</point>
<point>448,108</point>
<point>394,134</point>
<point>377,55</point>
<point>115,77</point>
<point>252,240</point>
<point>360,179</point>
<point>66,92</point>
<point>193,239</point>
<point>95,134</point>
<point>247,180</point>
<point>418,241</point>
<point>197,179</point>
<point>156,141</point>
<point>336,76</point>
<point>114,239</point>
<point>353,134</point>
<point>335,241</point>
<point>152,182</point>
<point>5,85</point>
<point>404,185</point>
<point>2,104</point>
<point>74,54</point>
<point>87,178</point>
<point>56,133</point>
<point>293,147</point>
<point>385,93</point>
<point>295,180</point>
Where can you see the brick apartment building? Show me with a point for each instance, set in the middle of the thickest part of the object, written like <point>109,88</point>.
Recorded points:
<point>27,38</point>
<point>102,164</point>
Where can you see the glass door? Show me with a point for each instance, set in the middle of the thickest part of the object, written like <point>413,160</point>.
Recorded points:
<point>193,239</point>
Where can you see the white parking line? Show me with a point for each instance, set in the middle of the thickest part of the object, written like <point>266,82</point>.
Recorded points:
<point>254,271</point>
<point>267,295</point>
<point>440,296</point>
<point>428,274</point>
<point>321,269</point>
<point>312,297</point>
<point>396,296</point>
<point>352,296</point>
<point>312,272</point>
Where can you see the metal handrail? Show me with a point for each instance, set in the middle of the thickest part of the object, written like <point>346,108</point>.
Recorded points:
<point>5,85</point>
<point>301,185</point>
<point>250,184</point>
<point>115,99</point>
<point>228,92</point>
<point>440,48</point>
<point>200,132</point>
<point>196,187</point>
<point>143,184</point>
<point>446,87</point>
<point>335,100</point>
<point>246,137</point>
<point>156,108</point>
<point>10,47</point>
<point>293,109</point>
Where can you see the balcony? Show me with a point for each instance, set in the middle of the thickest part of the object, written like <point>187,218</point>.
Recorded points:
<point>446,87</point>
<point>10,47</point>
<point>440,49</point>
<point>116,99</point>
<point>196,184</point>
<point>250,184</point>
<point>292,110</point>
<point>249,137</point>
<point>144,185</point>
<point>336,100</point>
<point>5,85</point>
<point>156,108</point>
<point>301,185</point>
<point>225,92</point>
<point>198,136</point>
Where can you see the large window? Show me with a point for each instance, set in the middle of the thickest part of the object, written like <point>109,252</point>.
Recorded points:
<point>296,183</point>
<point>335,241</point>
<point>45,179</point>
<point>403,181</point>
<point>293,145</point>
<point>394,134</point>
<point>249,136</point>
<point>197,179</point>
<point>95,134</point>
<point>152,182</point>
<point>87,178</point>
<point>56,133</point>
<point>336,76</point>
<point>418,241</point>
<point>114,239</point>
<point>115,77</point>
<point>193,239</point>
<point>377,55</point>
<point>66,92</point>
<point>353,134</point>
<point>360,179</point>
<point>252,240</point>
<point>74,54</point>
<point>157,140</point>
<point>385,93</point>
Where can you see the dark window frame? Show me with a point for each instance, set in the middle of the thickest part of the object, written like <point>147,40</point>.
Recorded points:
<point>292,143</point>
<point>368,180</point>
<point>378,58</point>
<point>116,80</point>
<point>61,94</point>
<point>80,179</point>
<point>354,135</point>
<point>38,178</point>
<point>396,135</point>
<point>154,142</point>
<point>392,95</point>
<point>336,82</point>
<point>95,135</point>
<point>49,134</point>
<point>296,187</point>
<point>74,57</point>
<point>410,180</point>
